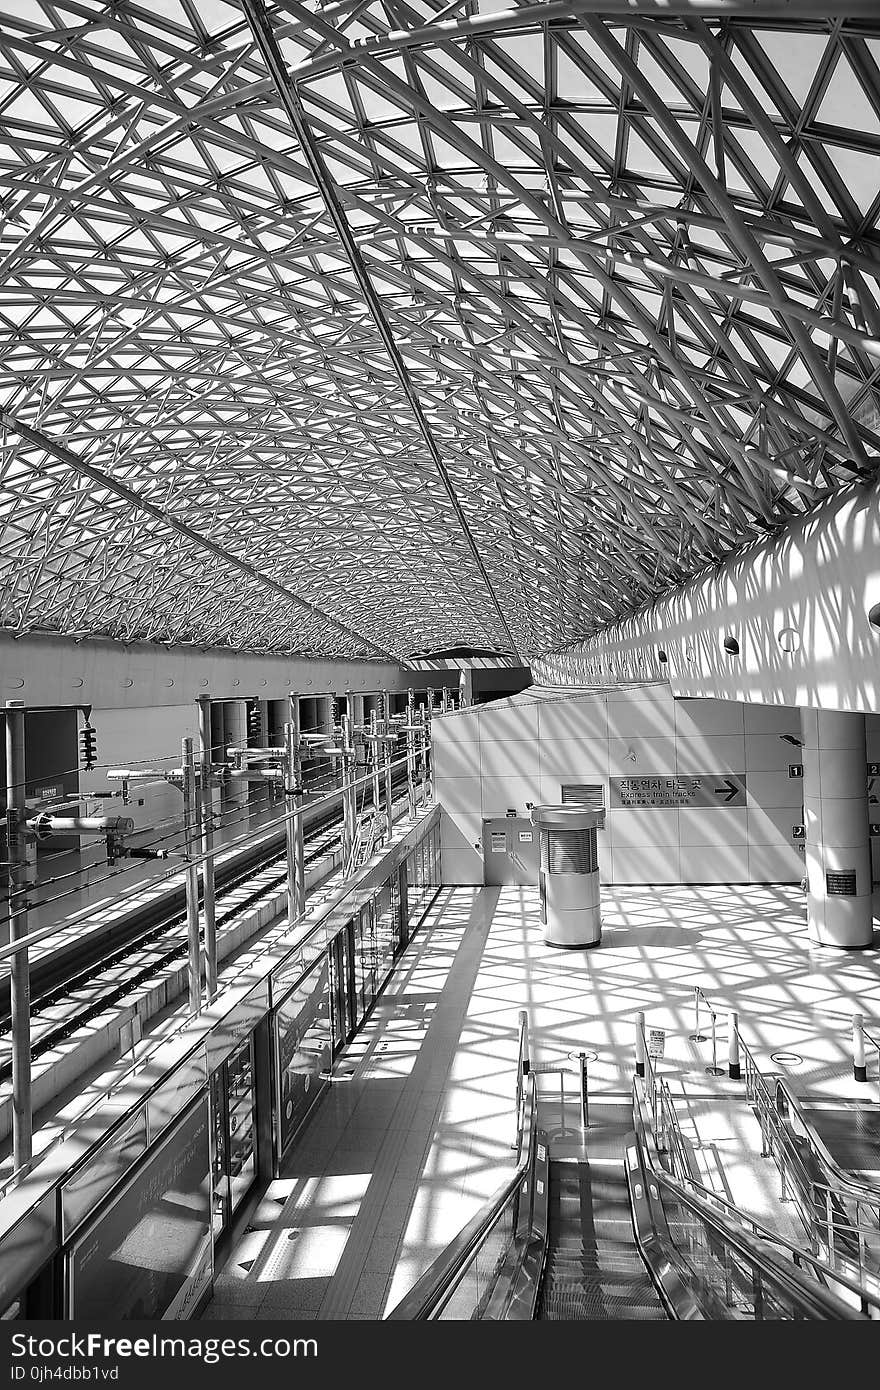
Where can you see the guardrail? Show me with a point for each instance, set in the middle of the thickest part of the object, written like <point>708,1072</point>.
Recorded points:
<point>709,1260</point>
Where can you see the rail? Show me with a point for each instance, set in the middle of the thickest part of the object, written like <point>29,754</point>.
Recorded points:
<point>840,1215</point>
<point>196,860</point>
<point>462,1281</point>
<point>149,1047</point>
<point>708,1263</point>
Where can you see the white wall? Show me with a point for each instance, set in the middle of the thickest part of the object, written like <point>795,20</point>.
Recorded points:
<point>501,756</point>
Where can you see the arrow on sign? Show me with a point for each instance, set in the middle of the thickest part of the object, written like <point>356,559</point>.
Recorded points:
<point>730,787</point>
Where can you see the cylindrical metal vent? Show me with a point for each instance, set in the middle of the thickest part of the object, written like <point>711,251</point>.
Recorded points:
<point>568,851</point>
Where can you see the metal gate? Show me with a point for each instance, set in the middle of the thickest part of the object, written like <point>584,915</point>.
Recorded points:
<point>510,851</point>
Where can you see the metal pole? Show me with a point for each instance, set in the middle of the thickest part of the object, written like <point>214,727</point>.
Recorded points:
<point>348,809</point>
<point>860,1070</point>
<point>714,1070</point>
<point>374,749</point>
<point>423,754</point>
<point>585,1099</point>
<point>386,754</point>
<point>696,1035</point>
<point>207,818</point>
<point>410,755</point>
<point>640,1044</point>
<point>733,1068</point>
<point>192,878</point>
<point>296,859</point>
<point>20,987</point>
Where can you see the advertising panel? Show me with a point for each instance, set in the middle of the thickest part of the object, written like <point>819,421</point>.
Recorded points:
<point>148,1254</point>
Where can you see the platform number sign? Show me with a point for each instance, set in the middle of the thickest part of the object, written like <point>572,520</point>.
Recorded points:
<point>795,769</point>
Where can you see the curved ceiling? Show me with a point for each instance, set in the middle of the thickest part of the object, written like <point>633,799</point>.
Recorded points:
<point>368,327</point>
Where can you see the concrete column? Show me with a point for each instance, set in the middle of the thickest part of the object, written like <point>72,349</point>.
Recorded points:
<point>836,823</point>
<point>235,734</point>
<point>465,687</point>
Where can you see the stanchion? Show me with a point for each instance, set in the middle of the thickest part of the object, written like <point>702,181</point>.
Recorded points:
<point>714,1070</point>
<point>860,1070</point>
<point>640,1044</point>
<point>696,1035</point>
<point>733,1069</point>
<point>585,1097</point>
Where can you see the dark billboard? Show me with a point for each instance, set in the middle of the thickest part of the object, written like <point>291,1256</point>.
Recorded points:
<point>148,1254</point>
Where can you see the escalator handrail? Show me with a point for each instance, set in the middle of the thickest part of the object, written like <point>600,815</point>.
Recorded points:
<point>839,1177</point>
<point>815,1300</point>
<point>798,1255</point>
<point>441,1276</point>
<point>752,1248</point>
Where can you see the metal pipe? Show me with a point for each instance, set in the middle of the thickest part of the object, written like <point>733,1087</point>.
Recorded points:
<point>296,854</point>
<point>860,1070</point>
<point>585,1098</point>
<point>410,755</point>
<point>20,985</point>
<point>207,825</point>
<point>733,1068</point>
<point>374,754</point>
<point>424,720</point>
<point>192,878</point>
<point>348,808</point>
<point>46,824</point>
<point>640,1043</point>
<point>386,757</point>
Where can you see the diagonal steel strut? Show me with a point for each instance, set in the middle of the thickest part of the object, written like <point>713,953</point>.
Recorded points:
<point>257,18</point>
<point>79,465</point>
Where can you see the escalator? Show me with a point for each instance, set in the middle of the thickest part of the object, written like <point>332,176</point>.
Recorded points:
<point>593,1271</point>
<point>604,1233</point>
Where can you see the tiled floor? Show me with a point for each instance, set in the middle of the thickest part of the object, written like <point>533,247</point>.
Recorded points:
<point>398,1158</point>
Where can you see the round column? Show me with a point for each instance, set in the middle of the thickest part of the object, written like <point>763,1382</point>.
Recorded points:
<point>837,844</point>
<point>235,735</point>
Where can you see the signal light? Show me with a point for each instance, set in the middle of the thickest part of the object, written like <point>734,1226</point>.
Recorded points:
<point>88,747</point>
<point>255,722</point>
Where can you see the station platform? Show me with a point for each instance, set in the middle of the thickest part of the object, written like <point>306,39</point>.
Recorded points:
<point>417,1129</point>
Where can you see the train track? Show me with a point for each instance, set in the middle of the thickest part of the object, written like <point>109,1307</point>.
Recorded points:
<point>154,929</point>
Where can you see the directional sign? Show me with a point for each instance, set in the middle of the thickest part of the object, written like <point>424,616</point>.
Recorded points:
<point>662,793</point>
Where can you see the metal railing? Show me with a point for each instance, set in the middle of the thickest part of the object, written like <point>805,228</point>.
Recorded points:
<point>463,1282</point>
<point>709,1262</point>
<point>840,1215</point>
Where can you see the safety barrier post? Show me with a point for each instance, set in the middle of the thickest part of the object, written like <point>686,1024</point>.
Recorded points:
<point>194,969</point>
<point>20,980</point>
<point>696,1035</point>
<point>585,1099</point>
<point>860,1070</point>
<point>714,1070</point>
<point>640,1044</point>
<point>733,1068</point>
<point>206,809</point>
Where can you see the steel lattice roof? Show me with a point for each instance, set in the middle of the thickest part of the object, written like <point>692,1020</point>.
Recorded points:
<point>463,325</point>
